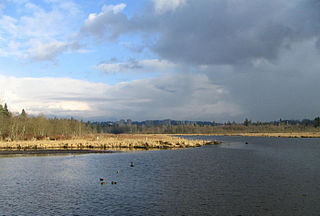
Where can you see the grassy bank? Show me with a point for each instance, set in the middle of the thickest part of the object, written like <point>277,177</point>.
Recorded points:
<point>106,142</point>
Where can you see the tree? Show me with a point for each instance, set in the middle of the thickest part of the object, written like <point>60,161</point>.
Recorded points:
<point>5,110</point>
<point>317,122</point>
<point>23,113</point>
<point>246,122</point>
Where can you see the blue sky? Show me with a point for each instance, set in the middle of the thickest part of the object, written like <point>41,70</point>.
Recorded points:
<point>155,59</point>
<point>79,64</point>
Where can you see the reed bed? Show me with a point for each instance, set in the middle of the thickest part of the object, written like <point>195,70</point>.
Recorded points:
<point>106,142</point>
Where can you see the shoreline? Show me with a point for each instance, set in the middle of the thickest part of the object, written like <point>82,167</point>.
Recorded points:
<point>54,151</point>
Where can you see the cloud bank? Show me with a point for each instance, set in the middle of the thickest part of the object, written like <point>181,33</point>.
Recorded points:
<point>169,96</point>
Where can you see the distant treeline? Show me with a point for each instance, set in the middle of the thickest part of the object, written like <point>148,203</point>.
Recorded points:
<point>25,127</point>
<point>194,127</point>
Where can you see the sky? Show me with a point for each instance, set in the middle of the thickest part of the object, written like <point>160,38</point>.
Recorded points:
<point>213,60</point>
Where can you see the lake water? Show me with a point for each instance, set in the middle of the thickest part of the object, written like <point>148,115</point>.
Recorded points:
<point>267,176</point>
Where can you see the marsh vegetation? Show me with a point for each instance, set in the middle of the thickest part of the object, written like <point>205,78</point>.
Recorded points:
<point>107,142</point>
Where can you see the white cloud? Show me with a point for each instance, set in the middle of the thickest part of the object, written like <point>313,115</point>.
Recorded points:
<point>116,9</point>
<point>170,96</point>
<point>106,9</point>
<point>53,96</point>
<point>162,65</point>
<point>162,6</point>
<point>96,24</point>
<point>49,51</point>
<point>8,26</point>
<point>32,7</point>
<point>69,106</point>
<point>109,68</point>
<point>45,25</point>
<point>133,66</point>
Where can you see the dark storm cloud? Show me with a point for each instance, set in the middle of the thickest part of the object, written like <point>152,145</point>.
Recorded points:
<point>264,53</point>
<point>217,31</point>
<point>232,32</point>
<point>285,88</point>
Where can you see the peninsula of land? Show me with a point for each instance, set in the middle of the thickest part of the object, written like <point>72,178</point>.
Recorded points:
<point>104,143</point>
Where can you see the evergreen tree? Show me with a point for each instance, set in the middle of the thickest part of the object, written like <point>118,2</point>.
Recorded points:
<point>246,122</point>
<point>5,110</point>
<point>23,113</point>
<point>317,122</point>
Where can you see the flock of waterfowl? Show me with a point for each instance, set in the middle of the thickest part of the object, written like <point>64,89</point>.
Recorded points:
<point>103,182</point>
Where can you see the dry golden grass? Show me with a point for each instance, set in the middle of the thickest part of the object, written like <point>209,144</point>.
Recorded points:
<point>103,142</point>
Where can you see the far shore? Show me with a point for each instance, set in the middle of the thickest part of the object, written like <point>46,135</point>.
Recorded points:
<point>263,134</point>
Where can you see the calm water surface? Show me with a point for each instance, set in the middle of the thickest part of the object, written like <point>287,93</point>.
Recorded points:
<point>268,176</point>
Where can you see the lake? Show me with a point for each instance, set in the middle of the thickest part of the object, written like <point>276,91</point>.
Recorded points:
<point>267,176</point>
